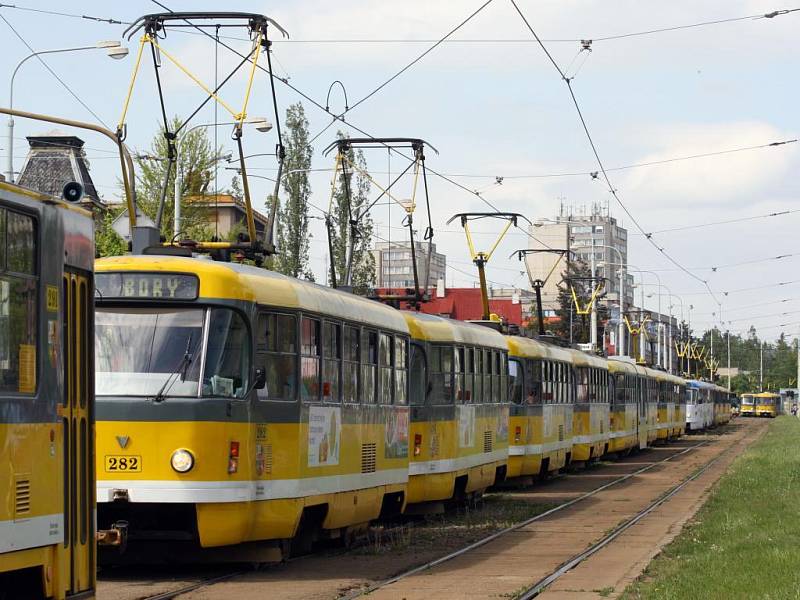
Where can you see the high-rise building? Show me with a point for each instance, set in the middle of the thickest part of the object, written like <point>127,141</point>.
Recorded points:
<point>581,234</point>
<point>394,266</point>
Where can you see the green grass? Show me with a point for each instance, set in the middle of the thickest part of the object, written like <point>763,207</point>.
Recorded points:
<point>745,541</point>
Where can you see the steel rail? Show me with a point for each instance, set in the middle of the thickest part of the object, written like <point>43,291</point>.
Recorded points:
<point>515,527</point>
<point>194,586</point>
<point>540,586</point>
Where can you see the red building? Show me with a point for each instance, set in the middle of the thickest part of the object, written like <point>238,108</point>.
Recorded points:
<point>464,304</point>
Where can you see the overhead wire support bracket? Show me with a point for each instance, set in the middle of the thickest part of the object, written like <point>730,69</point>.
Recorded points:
<point>343,147</point>
<point>479,257</point>
<point>154,28</point>
<point>536,283</point>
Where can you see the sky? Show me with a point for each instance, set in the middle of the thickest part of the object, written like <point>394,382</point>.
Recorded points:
<point>493,105</point>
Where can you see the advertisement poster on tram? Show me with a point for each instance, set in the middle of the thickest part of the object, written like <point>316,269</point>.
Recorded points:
<point>324,435</point>
<point>396,443</point>
<point>466,426</point>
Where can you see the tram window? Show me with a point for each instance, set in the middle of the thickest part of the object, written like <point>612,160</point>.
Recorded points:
<point>137,350</point>
<point>350,351</point>
<point>277,334</point>
<point>494,366</point>
<point>20,243</point>
<point>477,392</point>
<point>442,375</point>
<point>583,384</point>
<point>227,356</point>
<point>17,335</point>
<point>469,370</point>
<point>385,365</point>
<point>418,376</point>
<point>333,359</point>
<point>400,370</point>
<point>309,359</point>
<point>2,239</point>
<point>458,367</point>
<point>504,377</point>
<point>515,381</point>
<point>369,362</point>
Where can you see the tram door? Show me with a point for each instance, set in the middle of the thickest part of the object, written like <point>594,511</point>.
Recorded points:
<point>642,402</point>
<point>77,416</point>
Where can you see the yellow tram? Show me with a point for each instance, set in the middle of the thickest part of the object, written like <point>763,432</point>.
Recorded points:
<point>238,405</point>
<point>625,406</point>
<point>541,391</point>
<point>747,407</point>
<point>671,416</point>
<point>459,410</point>
<point>46,397</point>
<point>591,413</point>
<point>767,404</point>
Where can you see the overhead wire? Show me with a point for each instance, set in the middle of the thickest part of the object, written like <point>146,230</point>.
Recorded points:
<point>418,58</point>
<point>52,72</point>
<point>110,21</point>
<point>596,153</point>
<point>341,119</point>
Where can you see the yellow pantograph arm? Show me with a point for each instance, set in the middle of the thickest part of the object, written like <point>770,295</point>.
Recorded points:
<point>588,308</point>
<point>386,192</point>
<point>256,52</point>
<point>190,75</point>
<point>333,181</point>
<point>144,40</point>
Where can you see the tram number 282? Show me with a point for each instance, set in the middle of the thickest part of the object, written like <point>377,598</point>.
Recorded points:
<point>123,463</point>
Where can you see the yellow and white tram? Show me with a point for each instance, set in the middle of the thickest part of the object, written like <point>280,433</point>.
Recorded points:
<point>46,397</point>
<point>591,413</point>
<point>624,412</point>
<point>747,407</point>
<point>767,404</point>
<point>542,395</point>
<point>459,410</point>
<point>238,405</point>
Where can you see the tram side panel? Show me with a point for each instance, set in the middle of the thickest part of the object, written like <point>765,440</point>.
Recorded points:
<point>46,384</point>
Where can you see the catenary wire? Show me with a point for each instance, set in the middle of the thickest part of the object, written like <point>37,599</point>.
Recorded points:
<point>52,72</point>
<point>305,96</point>
<point>419,58</point>
<point>596,153</point>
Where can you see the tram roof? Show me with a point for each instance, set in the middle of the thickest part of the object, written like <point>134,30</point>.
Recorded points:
<point>433,328</point>
<point>584,359</point>
<point>532,348</point>
<point>616,365</point>
<point>222,280</point>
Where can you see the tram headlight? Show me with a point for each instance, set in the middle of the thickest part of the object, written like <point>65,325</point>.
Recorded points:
<point>182,461</point>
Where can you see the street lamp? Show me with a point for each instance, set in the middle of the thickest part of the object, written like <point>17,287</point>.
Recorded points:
<point>261,124</point>
<point>114,49</point>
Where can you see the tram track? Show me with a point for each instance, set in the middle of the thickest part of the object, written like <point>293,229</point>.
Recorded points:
<point>517,526</point>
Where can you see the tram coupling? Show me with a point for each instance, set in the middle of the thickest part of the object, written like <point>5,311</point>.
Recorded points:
<point>116,537</point>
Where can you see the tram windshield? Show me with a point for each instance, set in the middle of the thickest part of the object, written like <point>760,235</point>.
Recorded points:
<point>747,400</point>
<point>161,352</point>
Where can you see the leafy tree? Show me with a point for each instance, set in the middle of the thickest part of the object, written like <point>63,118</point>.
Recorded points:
<point>106,240</point>
<point>292,218</point>
<point>196,160</point>
<point>363,269</point>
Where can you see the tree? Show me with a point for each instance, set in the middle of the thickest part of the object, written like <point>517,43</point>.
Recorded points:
<point>292,218</point>
<point>106,240</point>
<point>577,275</point>
<point>363,269</point>
<point>196,164</point>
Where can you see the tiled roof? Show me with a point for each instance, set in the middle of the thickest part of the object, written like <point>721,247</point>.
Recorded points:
<point>54,161</point>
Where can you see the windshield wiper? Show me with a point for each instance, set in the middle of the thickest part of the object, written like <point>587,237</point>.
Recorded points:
<point>182,367</point>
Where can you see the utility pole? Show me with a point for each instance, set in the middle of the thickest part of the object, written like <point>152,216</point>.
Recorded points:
<point>642,333</point>
<point>711,370</point>
<point>728,334</point>
<point>593,319</point>
<point>761,370</point>
<point>797,383</point>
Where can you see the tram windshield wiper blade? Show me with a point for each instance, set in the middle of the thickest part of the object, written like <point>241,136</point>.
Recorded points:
<point>183,365</point>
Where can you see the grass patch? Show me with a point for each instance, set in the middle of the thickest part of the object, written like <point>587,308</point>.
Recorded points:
<point>452,529</point>
<point>743,543</point>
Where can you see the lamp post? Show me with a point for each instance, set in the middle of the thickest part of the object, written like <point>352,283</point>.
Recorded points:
<point>620,326</point>
<point>261,124</point>
<point>114,49</point>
